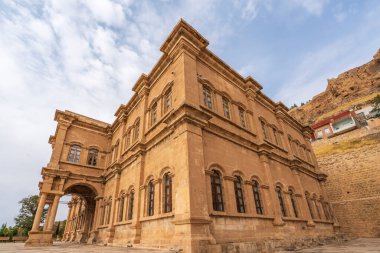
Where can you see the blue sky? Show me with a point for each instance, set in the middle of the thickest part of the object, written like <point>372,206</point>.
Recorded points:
<point>85,56</point>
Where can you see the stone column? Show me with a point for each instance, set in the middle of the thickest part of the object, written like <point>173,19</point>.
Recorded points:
<point>248,197</point>
<point>58,143</point>
<point>70,205</point>
<point>47,217</point>
<point>273,201</point>
<point>40,209</point>
<point>97,207</point>
<point>53,212</point>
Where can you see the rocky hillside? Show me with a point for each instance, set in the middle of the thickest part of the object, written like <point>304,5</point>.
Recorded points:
<point>353,87</point>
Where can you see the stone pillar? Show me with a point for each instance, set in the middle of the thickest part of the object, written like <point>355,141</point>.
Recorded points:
<point>65,234</point>
<point>40,209</point>
<point>111,227</point>
<point>305,212</point>
<point>58,143</point>
<point>47,217</point>
<point>273,200</point>
<point>53,212</point>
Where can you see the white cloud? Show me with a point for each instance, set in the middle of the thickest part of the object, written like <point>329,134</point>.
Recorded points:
<point>314,7</point>
<point>79,55</point>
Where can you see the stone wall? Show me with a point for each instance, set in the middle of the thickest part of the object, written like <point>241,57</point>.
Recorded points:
<point>353,183</point>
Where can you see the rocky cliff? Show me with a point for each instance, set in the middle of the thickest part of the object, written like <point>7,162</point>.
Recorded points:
<point>350,86</point>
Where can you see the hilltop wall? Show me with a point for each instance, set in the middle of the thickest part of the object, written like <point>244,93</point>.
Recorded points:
<point>353,185</point>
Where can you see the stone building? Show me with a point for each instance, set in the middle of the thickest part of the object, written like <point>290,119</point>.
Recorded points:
<point>199,158</point>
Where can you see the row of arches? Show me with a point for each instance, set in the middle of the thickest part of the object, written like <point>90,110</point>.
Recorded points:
<point>209,101</point>
<point>288,202</point>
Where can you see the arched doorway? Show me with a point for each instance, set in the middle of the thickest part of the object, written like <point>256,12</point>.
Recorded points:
<point>81,213</point>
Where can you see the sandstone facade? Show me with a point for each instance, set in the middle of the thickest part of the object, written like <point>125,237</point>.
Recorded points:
<point>199,159</point>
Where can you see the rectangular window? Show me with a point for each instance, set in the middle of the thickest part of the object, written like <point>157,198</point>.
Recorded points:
<point>264,128</point>
<point>167,100</point>
<point>153,114</point>
<point>242,117</point>
<point>226,108</point>
<point>207,97</point>
<point>327,130</point>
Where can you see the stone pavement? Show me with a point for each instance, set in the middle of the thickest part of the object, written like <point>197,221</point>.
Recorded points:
<point>74,248</point>
<point>362,245</point>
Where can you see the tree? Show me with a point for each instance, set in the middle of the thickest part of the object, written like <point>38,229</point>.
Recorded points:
<point>293,106</point>
<point>27,212</point>
<point>376,100</point>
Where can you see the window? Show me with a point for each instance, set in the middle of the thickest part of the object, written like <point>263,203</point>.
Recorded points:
<point>239,195</point>
<point>150,198</point>
<point>264,128</point>
<point>92,157</point>
<point>136,132</point>
<point>207,97</point>
<point>153,114</point>
<point>216,189</point>
<point>103,214</point>
<point>293,200</point>
<point>317,207</point>
<point>128,141</point>
<point>74,154</point>
<point>319,134</point>
<point>167,100</point>
<point>275,134</point>
<point>109,211</point>
<point>121,207</point>
<point>327,130</point>
<point>242,117</point>
<point>130,206</point>
<point>308,201</point>
<point>281,201</point>
<point>226,108</point>
<point>167,193</point>
<point>257,197</point>
<point>116,151</point>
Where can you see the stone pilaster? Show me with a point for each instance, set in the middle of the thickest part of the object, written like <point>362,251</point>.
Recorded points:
<point>273,201</point>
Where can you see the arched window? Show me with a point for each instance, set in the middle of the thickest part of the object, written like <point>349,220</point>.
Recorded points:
<point>74,153</point>
<point>293,200</point>
<point>167,100</point>
<point>216,189</point>
<point>130,205</point>
<point>116,151</point>
<point>226,108</point>
<point>128,138</point>
<point>239,195</point>
<point>275,134</point>
<point>257,197</point>
<point>308,201</point>
<point>315,200</point>
<point>264,129</point>
<point>121,207</point>
<point>207,97</point>
<point>325,209</point>
<point>281,201</point>
<point>167,193</point>
<point>136,131</point>
<point>92,157</point>
<point>103,213</point>
<point>109,211</point>
<point>150,198</point>
<point>153,114</point>
<point>242,117</point>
